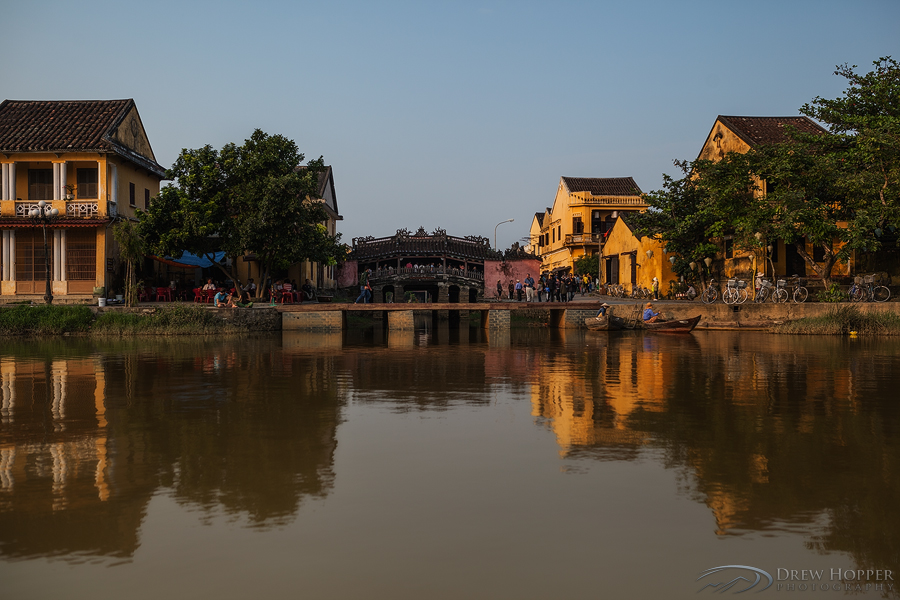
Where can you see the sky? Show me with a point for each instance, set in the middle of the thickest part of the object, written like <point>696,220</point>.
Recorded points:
<point>457,115</point>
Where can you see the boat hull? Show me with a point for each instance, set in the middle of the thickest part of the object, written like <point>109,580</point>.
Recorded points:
<point>677,326</point>
<point>604,323</point>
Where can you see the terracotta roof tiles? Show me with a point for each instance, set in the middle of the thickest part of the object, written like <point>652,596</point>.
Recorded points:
<point>603,186</point>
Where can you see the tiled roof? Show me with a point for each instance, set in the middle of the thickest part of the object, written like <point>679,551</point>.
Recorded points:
<point>540,217</point>
<point>399,246</point>
<point>66,126</point>
<point>767,130</point>
<point>603,186</point>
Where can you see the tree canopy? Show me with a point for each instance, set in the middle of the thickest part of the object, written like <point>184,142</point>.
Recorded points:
<point>838,190</point>
<point>248,199</point>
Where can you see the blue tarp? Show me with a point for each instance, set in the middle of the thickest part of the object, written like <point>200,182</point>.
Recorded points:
<point>188,260</point>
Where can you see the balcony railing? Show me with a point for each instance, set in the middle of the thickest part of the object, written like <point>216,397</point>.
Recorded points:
<point>76,208</point>
<point>424,272</point>
<point>610,201</point>
<point>82,209</point>
<point>580,239</point>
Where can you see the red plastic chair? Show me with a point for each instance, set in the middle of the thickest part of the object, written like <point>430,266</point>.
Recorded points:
<point>163,293</point>
<point>198,295</point>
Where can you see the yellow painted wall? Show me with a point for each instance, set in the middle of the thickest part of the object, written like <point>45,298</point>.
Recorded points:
<point>558,222</point>
<point>621,242</point>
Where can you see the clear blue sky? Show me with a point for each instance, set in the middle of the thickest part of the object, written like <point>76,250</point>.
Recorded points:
<point>446,114</point>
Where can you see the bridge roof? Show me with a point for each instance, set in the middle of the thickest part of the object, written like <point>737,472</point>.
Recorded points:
<point>436,244</point>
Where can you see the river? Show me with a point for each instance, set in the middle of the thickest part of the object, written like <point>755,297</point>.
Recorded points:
<point>449,463</point>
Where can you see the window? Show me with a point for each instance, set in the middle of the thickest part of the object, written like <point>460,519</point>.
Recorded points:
<point>30,258</point>
<point>146,199</point>
<point>729,247</point>
<point>40,184</point>
<point>774,255</point>
<point>553,232</point>
<point>87,183</point>
<point>131,194</point>
<point>81,255</point>
<point>577,225</point>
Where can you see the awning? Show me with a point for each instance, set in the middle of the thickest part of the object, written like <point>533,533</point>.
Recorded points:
<point>189,261</point>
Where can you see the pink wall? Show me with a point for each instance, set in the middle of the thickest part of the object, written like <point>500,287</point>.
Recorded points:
<point>506,270</point>
<point>346,274</point>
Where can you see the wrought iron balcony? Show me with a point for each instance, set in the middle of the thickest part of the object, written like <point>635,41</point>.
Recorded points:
<point>583,239</point>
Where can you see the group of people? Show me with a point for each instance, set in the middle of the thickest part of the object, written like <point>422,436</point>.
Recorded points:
<point>230,296</point>
<point>547,288</point>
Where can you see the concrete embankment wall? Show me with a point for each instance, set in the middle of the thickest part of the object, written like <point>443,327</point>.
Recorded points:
<point>713,316</point>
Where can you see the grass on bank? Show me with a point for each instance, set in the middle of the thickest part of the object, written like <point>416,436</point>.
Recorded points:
<point>175,319</point>
<point>45,320</point>
<point>841,320</point>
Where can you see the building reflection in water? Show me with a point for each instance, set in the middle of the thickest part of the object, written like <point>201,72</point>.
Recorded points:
<point>246,427</point>
<point>772,433</point>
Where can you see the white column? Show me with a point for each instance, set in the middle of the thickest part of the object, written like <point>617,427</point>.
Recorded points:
<point>9,254</point>
<point>57,184</point>
<point>59,254</point>
<point>4,246</point>
<point>4,181</point>
<point>62,179</point>
<point>12,181</point>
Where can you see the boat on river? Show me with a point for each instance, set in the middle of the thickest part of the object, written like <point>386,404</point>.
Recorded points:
<point>674,326</point>
<point>607,323</point>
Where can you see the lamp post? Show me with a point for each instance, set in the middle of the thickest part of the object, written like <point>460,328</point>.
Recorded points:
<point>495,230</point>
<point>44,215</point>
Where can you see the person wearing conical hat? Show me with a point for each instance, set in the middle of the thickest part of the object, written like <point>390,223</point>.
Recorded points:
<point>650,316</point>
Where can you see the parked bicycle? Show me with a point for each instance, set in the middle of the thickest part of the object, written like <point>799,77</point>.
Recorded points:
<point>711,293</point>
<point>779,294</point>
<point>735,292</point>
<point>800,292</point>
<point>865,290</point>
<point>763,289</point>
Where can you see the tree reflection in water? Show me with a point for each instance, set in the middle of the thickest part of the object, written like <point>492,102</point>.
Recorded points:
<point>771,433</point>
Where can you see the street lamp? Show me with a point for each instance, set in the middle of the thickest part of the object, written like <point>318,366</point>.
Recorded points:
<point>495,230</point>
<point>44,215</point>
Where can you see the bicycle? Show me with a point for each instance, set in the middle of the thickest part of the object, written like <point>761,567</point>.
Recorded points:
<point>865,290</point>
<point>800,292</point>
<point>711,293</point>
<point>763,290</point>
<point>735,292</point>
<point>780,294</point>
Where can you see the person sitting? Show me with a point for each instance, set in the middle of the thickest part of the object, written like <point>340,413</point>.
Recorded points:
<point>649,315</point>
<point>209,286</point>
<point>605,310</point>
<point>309,291</point>
<point>221,299</point>
<point>249,289</point>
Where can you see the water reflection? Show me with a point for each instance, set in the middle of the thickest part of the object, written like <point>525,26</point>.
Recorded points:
<point>772,434</point>
<point>241,426</point>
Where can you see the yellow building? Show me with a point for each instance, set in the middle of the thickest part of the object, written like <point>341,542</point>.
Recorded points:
<point>583,212</point>
<point>92,161</point>
<point>631,260</point>
<point>740,134</point>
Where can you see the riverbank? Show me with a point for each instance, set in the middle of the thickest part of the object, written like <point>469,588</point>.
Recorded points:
<point>170,319</point>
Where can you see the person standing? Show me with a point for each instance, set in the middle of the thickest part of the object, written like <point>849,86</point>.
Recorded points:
<point>499,290</point>
<point>511,287</point>
<point>529,288</point>
<point>363,285</point>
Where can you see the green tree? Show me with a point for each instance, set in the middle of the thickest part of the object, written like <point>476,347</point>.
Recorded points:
<point>683,216</point>
<point>131,249</point>
<point>248,199</point>
<point>588,265</point>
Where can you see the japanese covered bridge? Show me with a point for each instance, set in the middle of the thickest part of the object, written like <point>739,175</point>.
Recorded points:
<point>433,267</point>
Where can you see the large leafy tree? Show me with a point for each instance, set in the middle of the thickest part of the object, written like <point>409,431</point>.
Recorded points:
<point>247,199</point>
<point>837,190</point>
<point>683,216</point>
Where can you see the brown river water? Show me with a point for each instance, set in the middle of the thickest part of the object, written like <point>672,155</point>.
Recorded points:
<point>450,463</point>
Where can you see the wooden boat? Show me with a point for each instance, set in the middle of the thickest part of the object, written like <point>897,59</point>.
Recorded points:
<point>609,323</point>
<point>674,326</point>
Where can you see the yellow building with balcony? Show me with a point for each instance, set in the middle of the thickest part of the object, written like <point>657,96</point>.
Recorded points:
<point>582,214</point>
<point>92,161</point>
